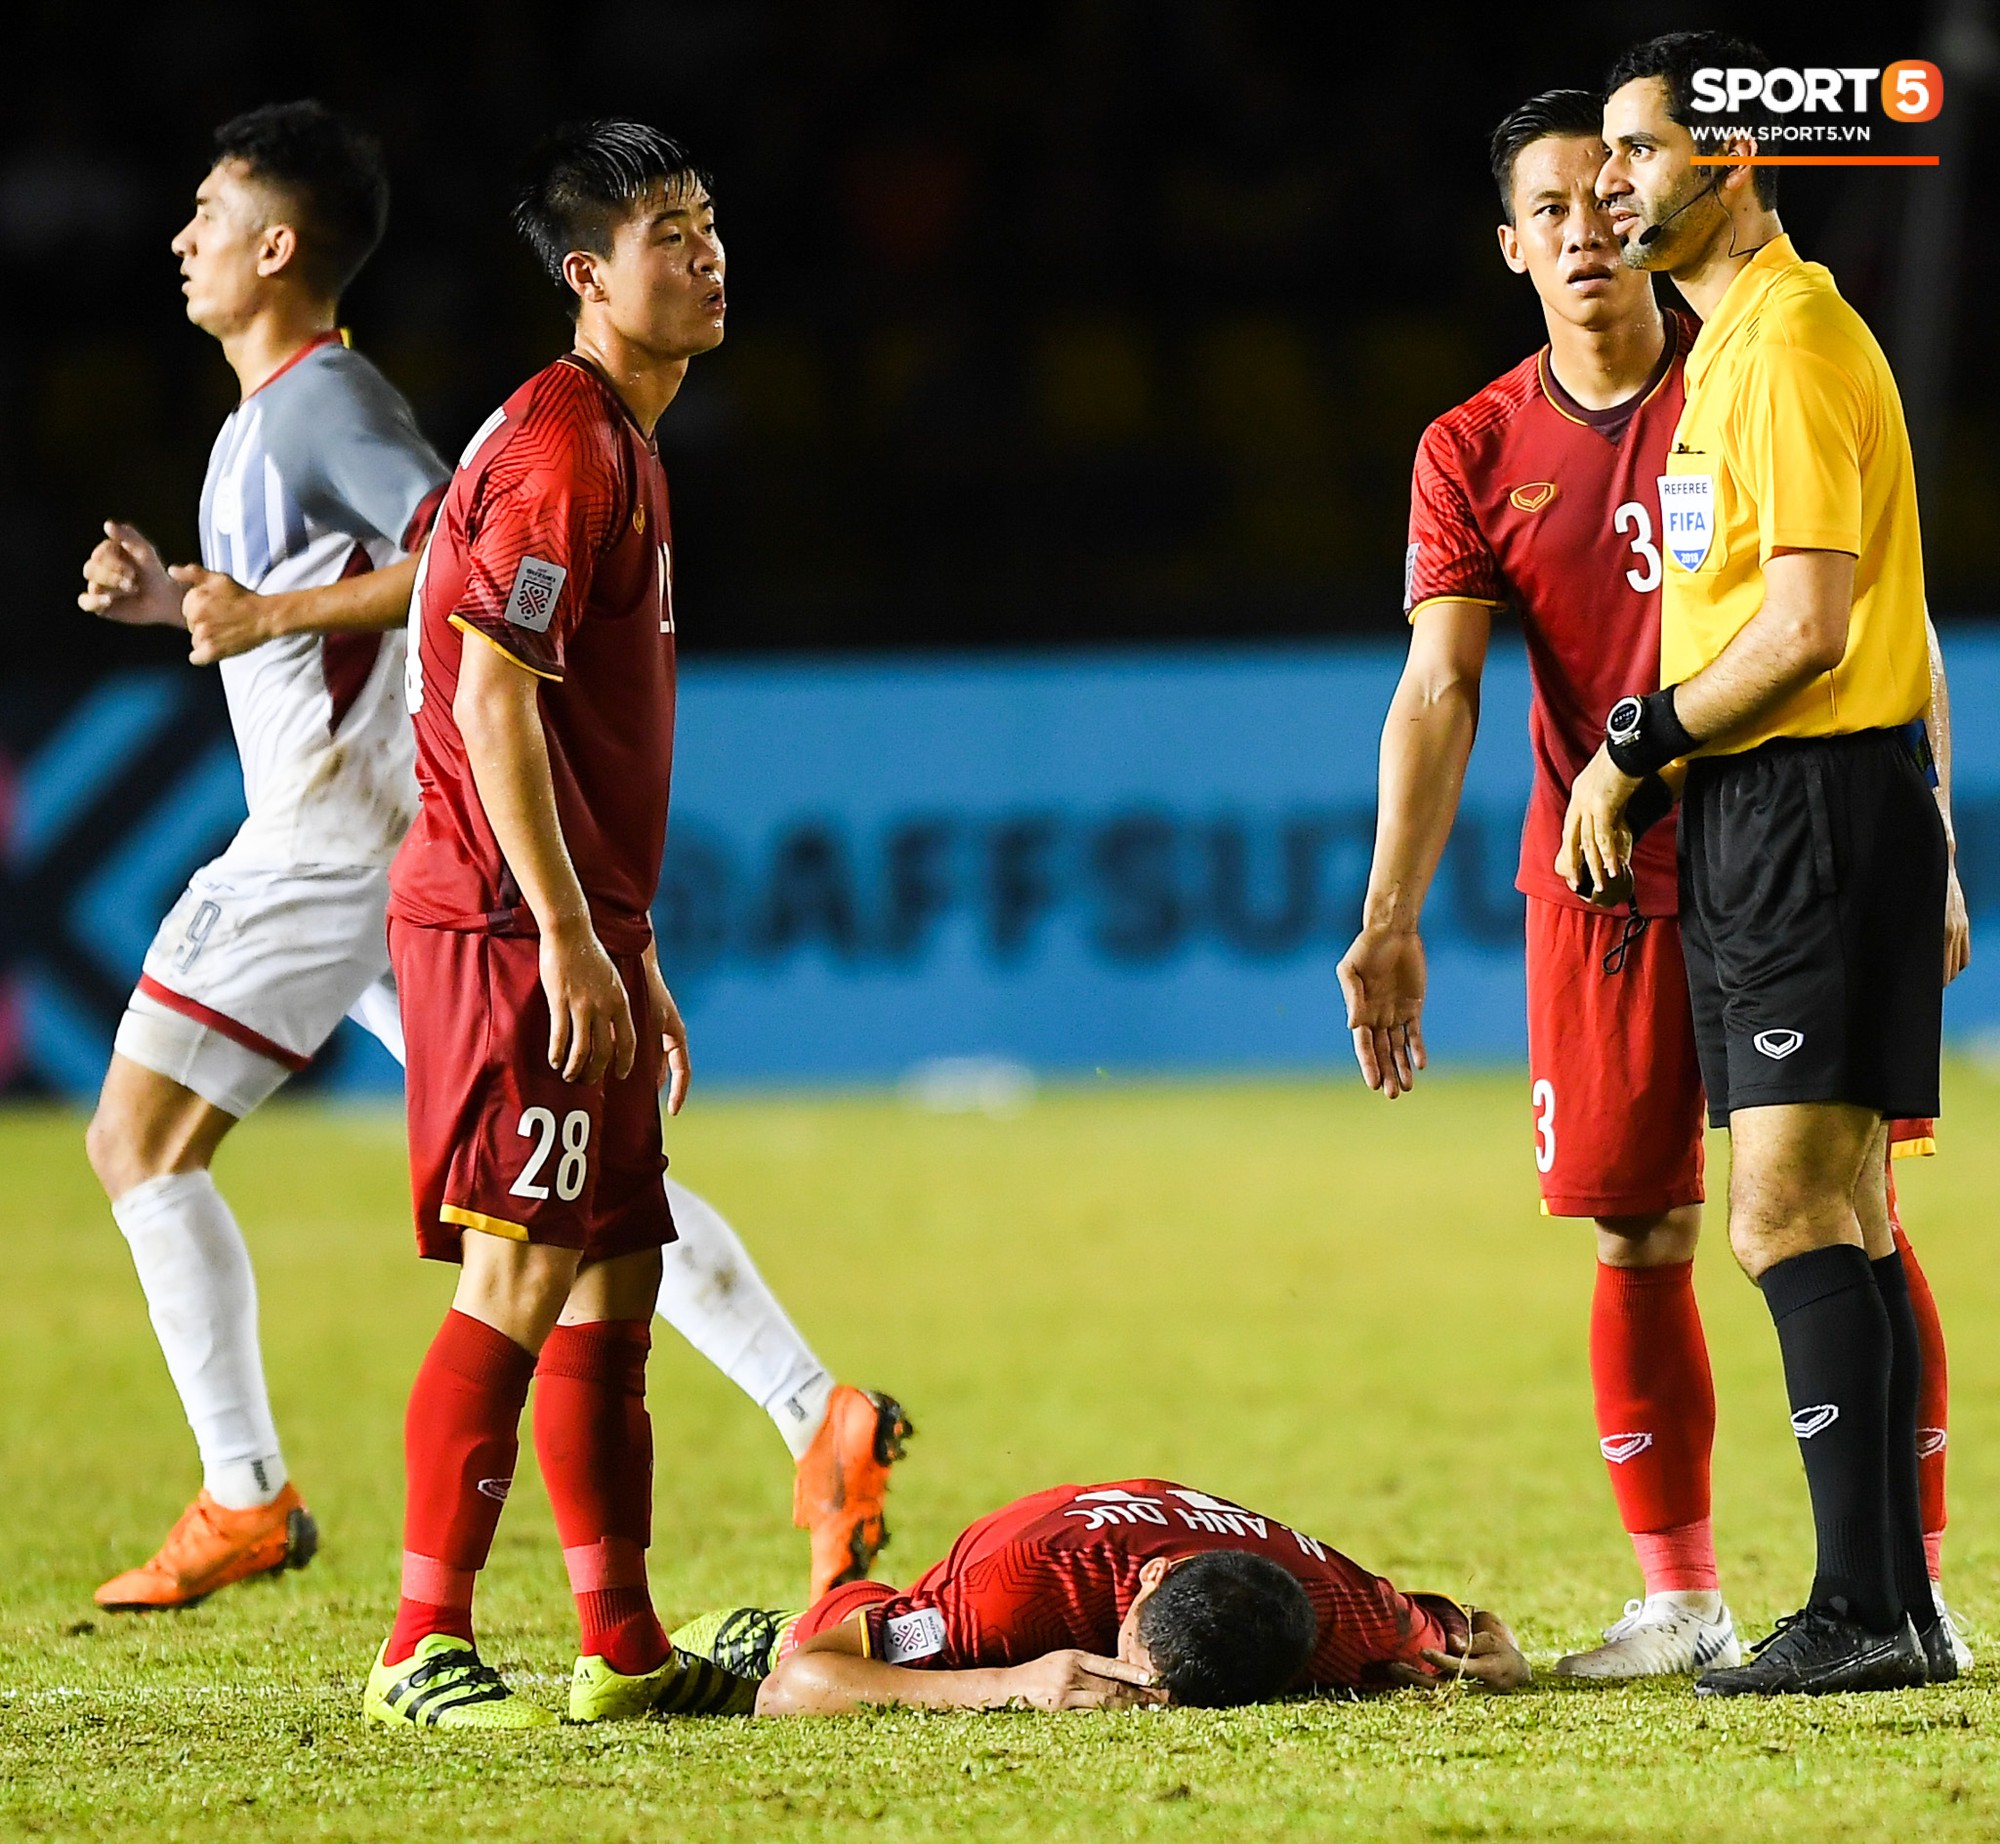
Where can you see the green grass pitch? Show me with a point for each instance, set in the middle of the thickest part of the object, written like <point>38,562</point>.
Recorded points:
<point>1345,1312</point>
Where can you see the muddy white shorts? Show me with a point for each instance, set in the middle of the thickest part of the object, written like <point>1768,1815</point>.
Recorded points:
<point>251,972</point>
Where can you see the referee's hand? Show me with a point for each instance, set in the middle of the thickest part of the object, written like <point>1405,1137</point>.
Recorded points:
<point>1957,927</point>
<point>1382,977</point>
<point>1595,837</point>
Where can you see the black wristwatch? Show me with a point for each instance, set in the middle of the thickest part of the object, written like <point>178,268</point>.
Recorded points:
<point>1642,735</point>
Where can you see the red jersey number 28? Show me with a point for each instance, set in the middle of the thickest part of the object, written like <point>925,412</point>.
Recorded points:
<point>1644,576</point>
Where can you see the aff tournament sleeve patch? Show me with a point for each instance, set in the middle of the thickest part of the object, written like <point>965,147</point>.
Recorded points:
<point>537,584</point>
<point>910,1636</point>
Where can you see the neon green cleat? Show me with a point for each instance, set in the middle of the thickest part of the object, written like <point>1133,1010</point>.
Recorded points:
<point>744,1641</point>
<point>684,1686</point>
<point>443,1685</point>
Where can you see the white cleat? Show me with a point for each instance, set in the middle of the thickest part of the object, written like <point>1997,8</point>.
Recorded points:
<point>1665,1635</point>
<point>1955,1629</point>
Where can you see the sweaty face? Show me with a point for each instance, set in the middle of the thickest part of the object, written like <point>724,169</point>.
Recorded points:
<point>224,248</point>
<point>663,278</point>
<point>1562,237</point>
<point>1649,181</point>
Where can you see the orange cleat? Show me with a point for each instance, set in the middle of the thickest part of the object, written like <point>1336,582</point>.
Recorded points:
<point>838,1486</point>
<point>212,1546</point>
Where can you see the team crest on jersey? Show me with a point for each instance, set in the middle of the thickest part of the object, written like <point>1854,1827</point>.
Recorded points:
<point>1687,517</point>
<point>1532,497</point>
<point>537,584</point>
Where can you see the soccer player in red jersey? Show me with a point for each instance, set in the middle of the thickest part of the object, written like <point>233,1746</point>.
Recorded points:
<point>541,678</point>
<point>1136,1592</point>
<point>1539,494</point>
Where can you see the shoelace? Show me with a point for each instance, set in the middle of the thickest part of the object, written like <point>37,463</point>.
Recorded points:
<point>1635,926</point>
<point>1785,1624</point>
<point>1625,1628</point>
<point>745,1641</point>
<point>477,1673</point>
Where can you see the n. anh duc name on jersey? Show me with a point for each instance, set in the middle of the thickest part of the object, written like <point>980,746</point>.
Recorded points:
<point>318,474</point>
<point>553,546</point>
<point>1525,499</point>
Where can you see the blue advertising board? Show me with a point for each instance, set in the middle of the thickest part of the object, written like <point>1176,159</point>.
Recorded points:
<point>1125,861</point>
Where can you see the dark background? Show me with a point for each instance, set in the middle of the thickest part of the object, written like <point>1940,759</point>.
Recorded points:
<point>1096,321</point>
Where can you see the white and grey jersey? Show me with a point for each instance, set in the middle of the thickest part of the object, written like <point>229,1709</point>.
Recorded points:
<point>318,474</point>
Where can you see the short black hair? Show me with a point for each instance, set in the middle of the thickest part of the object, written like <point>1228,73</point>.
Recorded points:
<point>579,181</point>
<point>330,168</point>
<point>1226,1627</point>
<point>1674,57</point>
<point>1558,112</point>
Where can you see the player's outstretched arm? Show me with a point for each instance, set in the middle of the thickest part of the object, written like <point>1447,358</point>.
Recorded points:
<point>828,1676</point>
<point>1957,920</point>
<point>497,708</point>
<point>1426,743</point>
<point>225,619</point>
<point>124,580</point>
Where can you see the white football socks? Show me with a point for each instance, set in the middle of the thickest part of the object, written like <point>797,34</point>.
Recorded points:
<point>201,1293</point>
<point>712,1294</point>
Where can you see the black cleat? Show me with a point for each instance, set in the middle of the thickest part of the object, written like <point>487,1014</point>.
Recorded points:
<point>1940,1655</point>
<point>1815,1653</point>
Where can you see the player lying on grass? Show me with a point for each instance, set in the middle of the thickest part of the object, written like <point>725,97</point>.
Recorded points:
<point>1112,1596</point>
<point>319,483</point>
<point>1538,495</point>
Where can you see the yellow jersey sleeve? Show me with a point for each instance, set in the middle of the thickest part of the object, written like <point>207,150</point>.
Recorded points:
<point>1803,428</point>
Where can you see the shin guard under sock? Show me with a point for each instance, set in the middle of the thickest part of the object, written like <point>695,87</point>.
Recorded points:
<point>460,1440</point>
<point>595,1443</point>
<point>1834,1334</point>
<point>1655,1401</point>
<point>1934,1400</point>
<point>1906,1529</point>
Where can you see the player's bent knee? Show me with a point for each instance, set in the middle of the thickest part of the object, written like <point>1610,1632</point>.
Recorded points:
<point>1658,1241</point>
<point>146,1126</point>
<point>620,1287</point>
<point>518,1288</point>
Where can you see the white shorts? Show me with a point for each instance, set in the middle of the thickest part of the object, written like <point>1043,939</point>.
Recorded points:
<point>251,972</point>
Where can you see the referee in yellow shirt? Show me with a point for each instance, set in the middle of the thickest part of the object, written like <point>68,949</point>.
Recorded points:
<point>1812,857</point>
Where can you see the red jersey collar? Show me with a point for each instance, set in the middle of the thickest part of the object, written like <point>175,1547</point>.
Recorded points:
<point>1611,423</point>
<point>610,390</point>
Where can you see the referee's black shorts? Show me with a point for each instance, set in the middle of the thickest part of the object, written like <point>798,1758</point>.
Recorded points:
<point>1812,918</point>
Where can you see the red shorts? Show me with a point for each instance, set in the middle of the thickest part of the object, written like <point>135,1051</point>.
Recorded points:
<point>498,1141</point>
<point>1616,1085</point>
<point>832,1608</point>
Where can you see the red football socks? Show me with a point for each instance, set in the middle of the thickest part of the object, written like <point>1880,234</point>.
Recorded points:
<point>1933,1399</point>
<point>595,1443</point>
<point>460,1438</point>
<point>1656,1419</point>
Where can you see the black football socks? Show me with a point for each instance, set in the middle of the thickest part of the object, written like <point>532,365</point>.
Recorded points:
<point>1906,1375</point>
<point>1834,1332</point>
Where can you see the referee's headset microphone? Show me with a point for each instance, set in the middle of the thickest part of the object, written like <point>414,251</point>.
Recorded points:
<point>1654,232</point>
